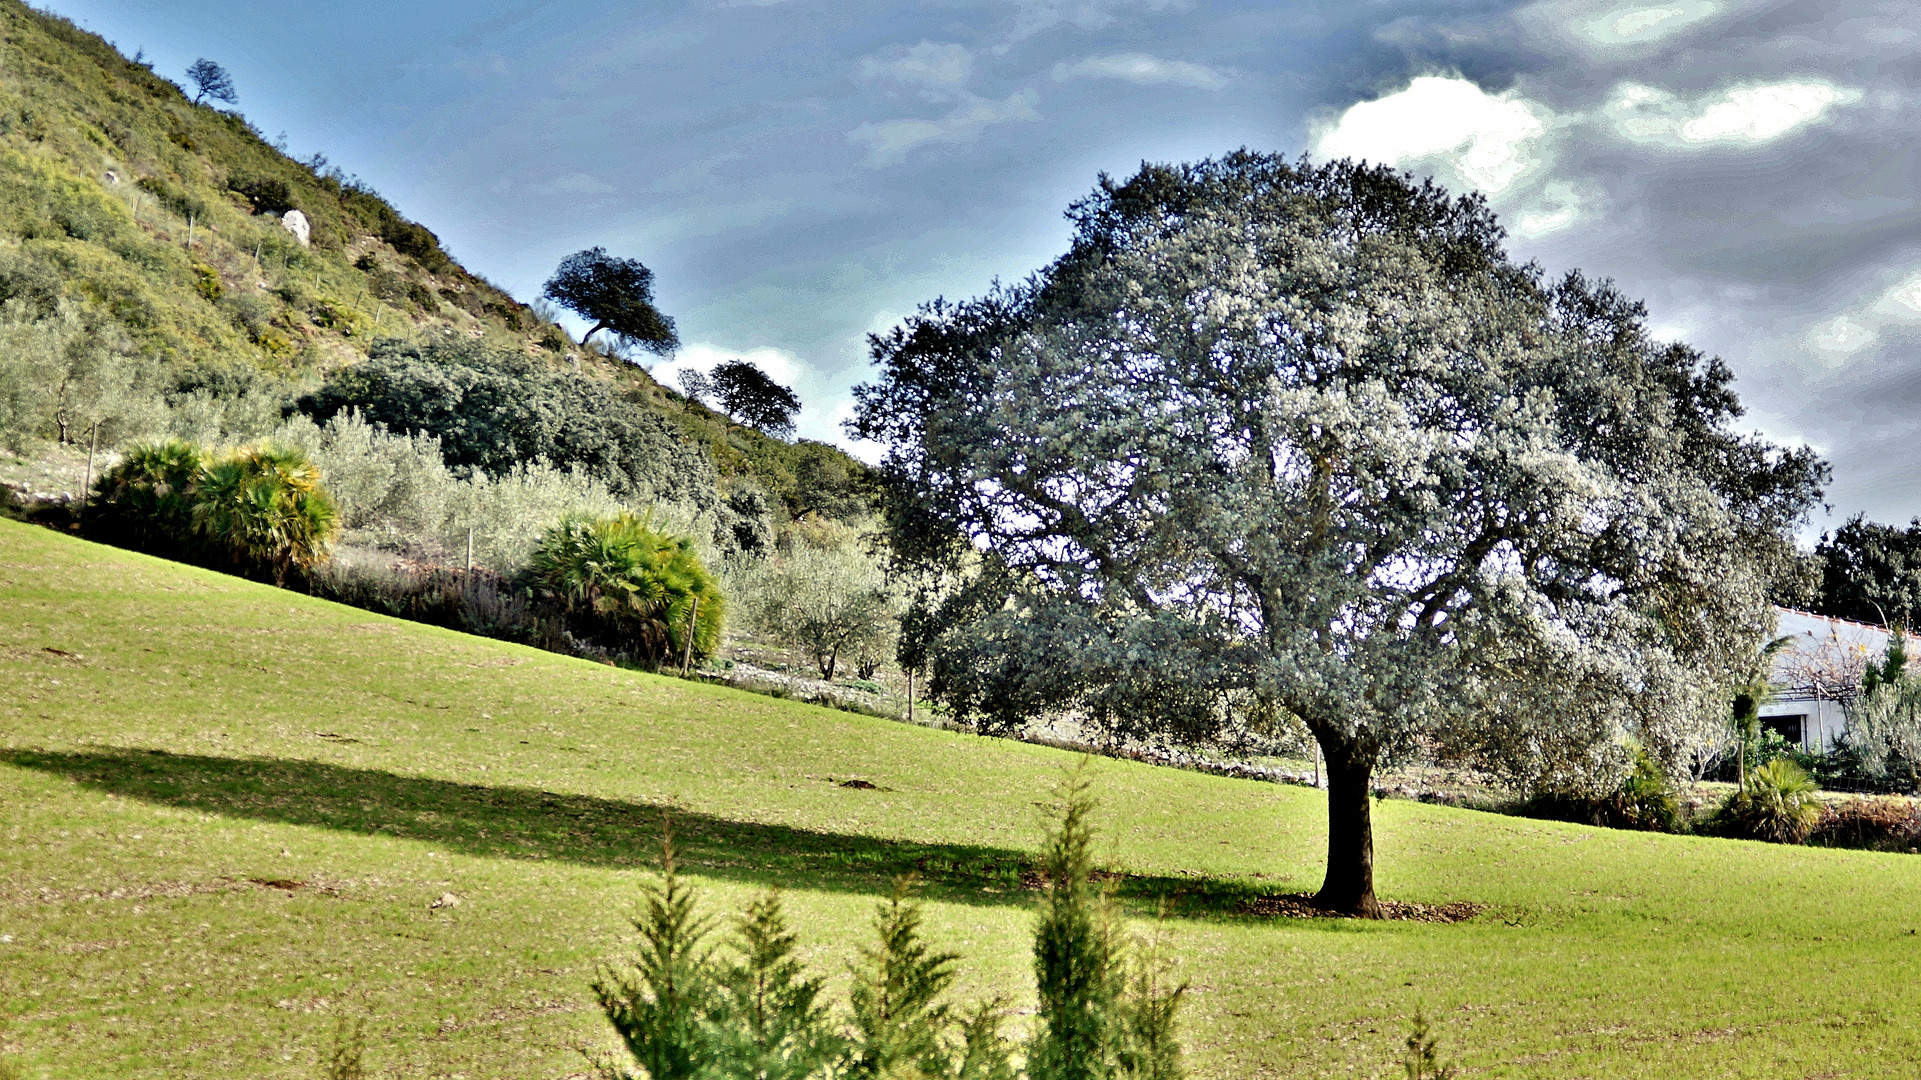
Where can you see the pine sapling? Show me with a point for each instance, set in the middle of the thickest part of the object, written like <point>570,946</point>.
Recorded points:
<point>1151,1048</point>
<point>347,1061</point>
<point>1079,978</point>
<point>768,1020</point>
<point>899,1019</point>
<point>985,1053</point>
<point>658,1007</point>
<point>1423,1061</point>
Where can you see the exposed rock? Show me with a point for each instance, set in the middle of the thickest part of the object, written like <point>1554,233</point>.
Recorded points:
<point>296,223</point>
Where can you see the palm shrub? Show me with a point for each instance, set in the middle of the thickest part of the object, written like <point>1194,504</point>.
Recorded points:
<point>145,500</point>
<point>636,588</point>
<point>262,506</point>
<point>1777,804</point>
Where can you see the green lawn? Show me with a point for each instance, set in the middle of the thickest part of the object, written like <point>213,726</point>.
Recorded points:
<point>199,744</point>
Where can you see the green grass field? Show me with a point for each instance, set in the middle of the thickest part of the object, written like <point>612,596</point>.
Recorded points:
<point>178,749</point>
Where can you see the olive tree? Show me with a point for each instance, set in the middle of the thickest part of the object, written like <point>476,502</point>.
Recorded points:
<point>1303,441</point>
<point>827,596</point>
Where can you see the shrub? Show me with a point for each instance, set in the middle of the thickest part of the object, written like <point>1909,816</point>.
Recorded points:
<point>264,507</point>
<point>145,500</point>
<point>638,591</point>
<point>267,195</point>
<point>1644,800</point>
<point>1778,804</point>
<point>679,1012</point>
<point>255,508</point>
<point>1883,824</point>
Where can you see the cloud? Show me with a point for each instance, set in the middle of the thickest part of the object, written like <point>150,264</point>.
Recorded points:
<point>823,402</point>
<point>938,65</point>
<point>889,142</point>
<point>1143,70</point>
<point>1838,338</point>
<point>1488,140</point>
<point>1618,30</point>
<point>1749,114</point>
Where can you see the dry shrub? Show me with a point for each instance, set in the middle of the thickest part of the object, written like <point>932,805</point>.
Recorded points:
<point>1878,824</point>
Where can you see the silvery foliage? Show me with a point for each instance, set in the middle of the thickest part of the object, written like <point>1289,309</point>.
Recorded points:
<point>1304,439</point>
<point>1885,723</point>
<point>823,593</point>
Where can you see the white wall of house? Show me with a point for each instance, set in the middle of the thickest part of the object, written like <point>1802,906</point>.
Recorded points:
<point>1822,663</point>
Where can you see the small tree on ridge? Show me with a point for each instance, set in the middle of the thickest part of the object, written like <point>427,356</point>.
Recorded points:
<point>210,80</point>
<point>617,294</point>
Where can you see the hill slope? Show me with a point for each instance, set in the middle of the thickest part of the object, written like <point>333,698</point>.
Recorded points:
<point>155,226</point>
<point>226,810</point>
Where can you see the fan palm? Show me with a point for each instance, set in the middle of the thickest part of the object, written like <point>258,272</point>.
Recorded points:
<point>146,500</point>
<point>640,587</point>
<point>264,505</point>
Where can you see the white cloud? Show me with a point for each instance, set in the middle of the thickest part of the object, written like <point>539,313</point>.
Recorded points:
<point>1622,29</point>
<point>1559,204</point>
<point>1487,140</point>
<point>1840,336</point>
<point>1144,70</point>
<point>890,141</point>
<point>1750,114</point>
<point>929,64</point>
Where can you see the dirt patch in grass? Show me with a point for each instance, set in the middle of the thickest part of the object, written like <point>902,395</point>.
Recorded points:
<point>1302,906</point>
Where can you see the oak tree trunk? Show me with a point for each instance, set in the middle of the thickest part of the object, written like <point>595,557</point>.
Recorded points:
<point>1349,887</point>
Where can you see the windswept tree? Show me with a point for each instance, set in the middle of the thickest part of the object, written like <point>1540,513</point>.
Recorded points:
<point>1275,438</point>
<point>210,80</point>
<point>614,294</point>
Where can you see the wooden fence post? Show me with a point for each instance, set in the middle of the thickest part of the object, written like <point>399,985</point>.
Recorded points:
<point>693,615</point>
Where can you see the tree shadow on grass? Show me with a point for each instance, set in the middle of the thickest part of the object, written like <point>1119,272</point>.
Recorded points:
<point>527,823</point>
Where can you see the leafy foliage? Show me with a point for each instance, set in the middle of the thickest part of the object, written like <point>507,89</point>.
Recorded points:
<point>492,410</point>
<point>258,507</point>
<point>1778,804</point>
<point>614,294</point>
<point>210,80</point>
<point>638,591</point>
<point>1304,439</point>
<point>263,506</point>
<point>898,1015</point>
<point>827,595</point>
<point>747,395</point>
<point>1871,572</point>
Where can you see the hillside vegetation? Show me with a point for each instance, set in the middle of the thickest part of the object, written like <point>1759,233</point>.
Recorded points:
<point>230,811</point>
<point>144,232</point>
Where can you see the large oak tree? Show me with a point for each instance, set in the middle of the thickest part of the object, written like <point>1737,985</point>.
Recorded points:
<point>1280,439</point>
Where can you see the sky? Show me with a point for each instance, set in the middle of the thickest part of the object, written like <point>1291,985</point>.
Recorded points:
<point>800,173</point>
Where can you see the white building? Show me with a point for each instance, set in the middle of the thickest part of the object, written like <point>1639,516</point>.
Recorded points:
<point>1816,674</point>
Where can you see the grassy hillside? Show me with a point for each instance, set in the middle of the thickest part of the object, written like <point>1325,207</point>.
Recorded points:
<point>155,223</point>
<point>226,809</point>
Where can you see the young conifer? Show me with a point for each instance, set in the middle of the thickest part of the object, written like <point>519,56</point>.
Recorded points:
<point>1078,973</point>
<point>769,1023</point>
<point>659,1007</point>
<point>985,1054</point>
<point>899,1019</point>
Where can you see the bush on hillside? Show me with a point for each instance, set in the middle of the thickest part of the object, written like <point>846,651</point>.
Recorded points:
<point>632,590</point>
<point>1778,805</point>
<point>258,508</point>
<point>827,595</point>
<point>493,410</point>
<point>1878,824</point>
<point>1644,800</point>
